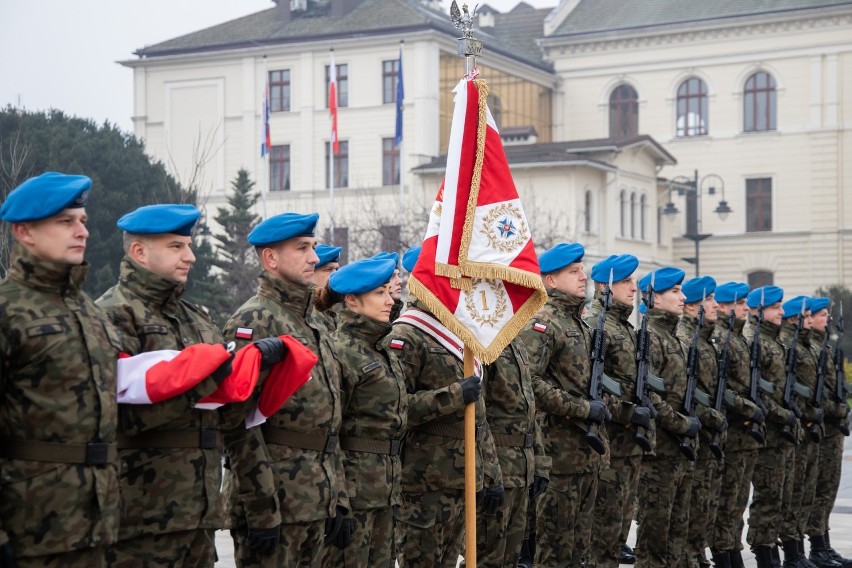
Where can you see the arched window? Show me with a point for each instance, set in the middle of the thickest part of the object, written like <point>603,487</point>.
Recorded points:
<point>633,215</point>
<point>759,103</point>
<point>643,208</point>
<point>692,110</point>
<point>587,212</point>
<point>622,197</point>
<point>623,112</point>
<point>760,278</point>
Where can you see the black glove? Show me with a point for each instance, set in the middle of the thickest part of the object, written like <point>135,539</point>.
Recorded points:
<point>758,415</point>
<point>272,350</point>
<point>694,427</point>
<point>791,418</point>
<point>264,541</point>
<point>722,426</point>
<point>795,409</point>
<point>641,417</point>
<point>491,498</point>
<point>339,529</point>
<point>538,486</point>
<point>222,371</point>
<point>7,556</point>
<point>598,412</point>
<point>819,416</point>
<point>471,389</point>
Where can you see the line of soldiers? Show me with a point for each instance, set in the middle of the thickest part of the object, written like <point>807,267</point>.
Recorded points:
<point>583,423</point>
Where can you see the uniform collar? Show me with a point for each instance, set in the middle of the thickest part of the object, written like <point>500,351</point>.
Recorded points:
<point>622,311</point>
<point>722,323</point>
<point>562,301</point>
<point>147,285</point>
<point>45,276</point>
<point>767,329</point>
<point>361,326</point>
<point>663,319</point>
<point>294,297</point>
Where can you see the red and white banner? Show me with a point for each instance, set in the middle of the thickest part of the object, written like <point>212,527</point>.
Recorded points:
<point>477,271</point>
<point>332,104</point>
<point>285,378</point>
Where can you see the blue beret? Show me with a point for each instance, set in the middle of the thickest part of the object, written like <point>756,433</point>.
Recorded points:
<point>394,256</point>
<point>621,265</point>
<point>560,256</point>
<point>326,254</point>
<point>793,306</point>
<point>696,289</point>
<point>409,259</point>
<point>44,196</point>
<point>362,275</point>
<point>771,295</point>
<point>282,227</point>
<point>819,303</point>
<point>664,278</point>
<point>730,292</point>
<point>159,219</point>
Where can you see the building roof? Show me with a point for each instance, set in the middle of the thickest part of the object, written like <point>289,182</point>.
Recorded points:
<point>367,17</point>
<point>595,16</point>
<point>565,152</point>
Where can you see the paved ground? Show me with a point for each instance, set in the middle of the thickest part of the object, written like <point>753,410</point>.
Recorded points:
<point>841,521</point>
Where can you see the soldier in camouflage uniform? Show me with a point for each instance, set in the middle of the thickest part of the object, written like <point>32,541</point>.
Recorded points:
<point>705,475</point>
<point>170,453</point>
<point>561,342</point>
<point>774,464</point>
<point>302,437</point>
<point>665,484</point>
<point>431,514</point>
<point>618,484</point>
<point>741,446</point>
<point>830,447</point>
<point>374,405</point>
<point>329,261</point>
<point>58,472</point>
<point>796,511</point>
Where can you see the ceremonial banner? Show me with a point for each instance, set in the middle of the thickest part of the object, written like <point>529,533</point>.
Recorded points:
<point>477,271</point>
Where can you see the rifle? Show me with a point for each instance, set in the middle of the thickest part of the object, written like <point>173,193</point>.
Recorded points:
<point>790,384</point>
<point>719,401</point>
<point>598,381</point>
<point>841,388</point>
<point>819,393</point>
<point>644,378</point>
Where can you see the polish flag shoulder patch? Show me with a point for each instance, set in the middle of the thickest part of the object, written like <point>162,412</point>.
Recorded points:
<point>540,327</point>
<point>397,344</point>
<point>244,333</point>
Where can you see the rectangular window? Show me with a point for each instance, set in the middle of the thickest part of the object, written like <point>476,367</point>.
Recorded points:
<point>342,85</point>
<point>390,237</point>
<point>758,204</point>
<point>279,168</point>
<point>341,165</point>
<point>390,162</point>
<point>279,90</point>
<point>390,69</point>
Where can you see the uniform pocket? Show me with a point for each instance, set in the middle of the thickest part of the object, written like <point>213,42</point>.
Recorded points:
<point>413,512</point>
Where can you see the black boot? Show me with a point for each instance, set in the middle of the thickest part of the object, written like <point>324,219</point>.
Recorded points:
<point>819,553</point>
<point>763,555</point>
<point>720,559</point>
<point>803,559</point>
<point>626,555</point>
<point>776,555</point>
<point>834,554</point>
<point>525,561</point>
<point>736,558</point>
<point>791,554</point>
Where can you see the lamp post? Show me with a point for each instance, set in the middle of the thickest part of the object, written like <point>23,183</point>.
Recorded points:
<point>692,189</point>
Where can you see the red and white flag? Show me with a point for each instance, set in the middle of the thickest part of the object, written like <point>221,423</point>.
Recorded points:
<point>285,378</point>
<point>477,271</point>
<point>332,104</point>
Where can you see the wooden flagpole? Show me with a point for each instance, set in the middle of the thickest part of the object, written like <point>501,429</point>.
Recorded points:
<point>469,469</point>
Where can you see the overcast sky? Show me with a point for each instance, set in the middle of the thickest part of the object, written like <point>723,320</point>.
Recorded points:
<point>62,53</point>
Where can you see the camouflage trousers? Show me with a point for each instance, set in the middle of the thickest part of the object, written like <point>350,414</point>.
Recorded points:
<point>373,543</point>
<point>702,509</point>
<point>430,529</point>
<point>664,490</point>
<point>797,510</point>
<point>772,471</point>
<point>97,557</point>
<point>735,484</point>
<point>564,516</point>
<point>499,536</point>
<point>827,484</point>
<point>615,506</point>
<point>182,549</point>
<point>301,546</point>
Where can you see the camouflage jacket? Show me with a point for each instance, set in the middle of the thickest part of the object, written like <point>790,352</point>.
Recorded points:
<point>620,364</point>
<point>806,368</point>
<point>737,381</point>
<point>430,461</point>
<point>375,404</point>
<point>510,411</point>
<point>311,483</point>
<point>58,354</point>
<point>708,378</point>
<point>560,341</point>
<point>834,409</point>
<point>668,361</point>
<point>772,367</point>
<point>164,490</point>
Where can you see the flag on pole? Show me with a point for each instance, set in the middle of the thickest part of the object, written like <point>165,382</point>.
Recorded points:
<point>266,142</point>
<point>332,104</point>
<point>478,272</point>
<point>400,96</point>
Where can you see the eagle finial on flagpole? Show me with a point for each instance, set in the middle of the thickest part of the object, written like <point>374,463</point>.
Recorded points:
<point>469,46</point>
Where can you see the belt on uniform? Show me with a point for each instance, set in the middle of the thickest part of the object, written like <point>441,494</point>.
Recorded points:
<point>454,431</point>
<point>387,447</point>
<point>206,439</point>
<point>513,440</point>
<point>91,453</point>
<point>316,441</point>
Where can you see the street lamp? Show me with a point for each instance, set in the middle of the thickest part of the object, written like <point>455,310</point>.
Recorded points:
<point>692,188</point>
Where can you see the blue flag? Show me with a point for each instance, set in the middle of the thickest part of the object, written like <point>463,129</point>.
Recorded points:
<point>400,95</point>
